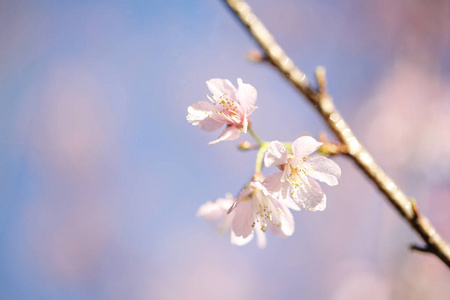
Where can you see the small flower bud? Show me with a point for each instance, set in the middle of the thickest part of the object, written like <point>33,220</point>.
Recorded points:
<point>256,55</point>
<point>258,177</point>
<point>245,145</point>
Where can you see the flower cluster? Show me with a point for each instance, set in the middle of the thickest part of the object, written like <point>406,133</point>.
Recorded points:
<point>265,203</point>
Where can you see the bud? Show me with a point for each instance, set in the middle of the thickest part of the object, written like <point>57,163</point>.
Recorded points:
<point>256,55</point>
<point>245,145</point>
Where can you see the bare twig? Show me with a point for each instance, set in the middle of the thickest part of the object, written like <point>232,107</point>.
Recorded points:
<point>323,102</point>
<point>420,248</point>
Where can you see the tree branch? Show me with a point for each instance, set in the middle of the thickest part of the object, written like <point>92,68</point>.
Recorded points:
<point>323,102</point>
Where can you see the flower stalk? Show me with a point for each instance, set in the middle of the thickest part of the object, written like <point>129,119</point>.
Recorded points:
<point>260,157</point>
<point>256,138</point>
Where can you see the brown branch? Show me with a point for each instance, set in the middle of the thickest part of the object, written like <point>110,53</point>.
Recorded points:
<point>323,102</point>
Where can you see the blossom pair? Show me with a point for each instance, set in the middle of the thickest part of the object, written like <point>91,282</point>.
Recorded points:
<point>265,204</point>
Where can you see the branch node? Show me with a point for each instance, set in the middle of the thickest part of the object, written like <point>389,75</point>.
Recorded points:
<point>331,148</point>
<point>256,55</point>
<point>415,247</point>
<point>415,209</point>
<point>321,76</point>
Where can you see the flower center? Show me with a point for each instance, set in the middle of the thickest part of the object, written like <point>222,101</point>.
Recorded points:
<point>265,211</point>
<point>298,172</point>
<point>227,108</point>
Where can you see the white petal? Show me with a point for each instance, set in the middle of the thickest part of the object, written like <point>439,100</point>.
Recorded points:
<point>199,115</point>
<point>324,169</point>
<point>245,123</point>
<point>242,196</point>
<point>261,238</point>
<point>277,189</point>
<point>220,87</point>
<point>211,211</point>
<point>225,224</point>
<point>272,183</point>
<point>217,211</point>
<point>283,201</point>
<point>250,109</point>
<point>223,119</point>
<point>310,196</point>
<point>287,224</point>
<point>259,185</point>
<point>246,94</point>
<point>276,154</point>
<point>290,203</point>
<point>304,146</point>
<point>239,240</point>
<point>230,133</point>
<point>243,219</point>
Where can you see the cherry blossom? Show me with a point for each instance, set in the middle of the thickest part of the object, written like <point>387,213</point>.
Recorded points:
<point>257,211</point>
<point>218,211</point>
<point>252,213</point>
<point>296,180</point>
<point>228,105</point>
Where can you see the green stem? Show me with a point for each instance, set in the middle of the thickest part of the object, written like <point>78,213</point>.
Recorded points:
<point>288,146</point>
<point>256,138</point>
<point>263,145</point>
<point>259,157</point>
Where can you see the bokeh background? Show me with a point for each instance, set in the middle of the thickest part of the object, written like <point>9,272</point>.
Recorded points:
<point>101,174</point>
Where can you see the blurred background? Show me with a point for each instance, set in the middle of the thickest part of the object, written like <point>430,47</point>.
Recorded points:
<point>101,174</point>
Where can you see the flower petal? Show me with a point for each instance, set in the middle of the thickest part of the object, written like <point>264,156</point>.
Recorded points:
<point>239,240</point>
<point>217,211</point>
<point>219,87</point>
<point>273,183</point>
<point>199,115</point>
<point>310,196</point>
<point>246,94</point>
<point>304,146</point>
<point>242,196</point>
<point>221,118</point>
<point>243,219</point>
<point>263,187</point>
<point>290,203</point>
<point>250,109</point>
<point>225,224</point>
<point>286,226</point>
<point>214,210</point>
<point>324,169</point>
<point>230,133</point>
<point>245,123</point>
<point>279,190</point>
<point>276,154</point>
<point>261,238</point>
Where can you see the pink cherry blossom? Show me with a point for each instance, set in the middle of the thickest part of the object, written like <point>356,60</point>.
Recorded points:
<point>296,180</point>
<point>218,211</point>
<point>252,213</point>
<point>228,105</point>
<point>257,211</point>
